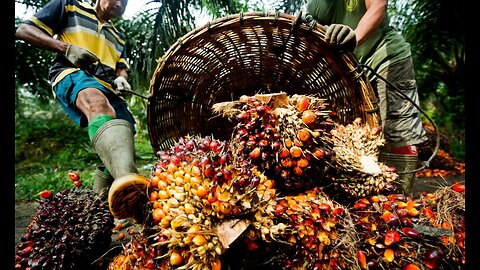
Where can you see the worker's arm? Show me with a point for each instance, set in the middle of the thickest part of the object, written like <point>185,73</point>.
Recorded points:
<point>78,56</point>
<point>37,37</point>
<point>371,20</point>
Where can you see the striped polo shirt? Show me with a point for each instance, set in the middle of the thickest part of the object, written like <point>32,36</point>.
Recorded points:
<point>76,22</point>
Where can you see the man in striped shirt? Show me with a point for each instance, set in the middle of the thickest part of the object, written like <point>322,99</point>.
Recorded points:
<point>89,80</point>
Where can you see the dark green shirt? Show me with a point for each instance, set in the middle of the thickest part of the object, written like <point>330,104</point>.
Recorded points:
<point>384,47</point>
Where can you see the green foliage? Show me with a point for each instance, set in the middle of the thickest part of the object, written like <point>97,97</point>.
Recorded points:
<point>31,68</point>
<point>437,37</point>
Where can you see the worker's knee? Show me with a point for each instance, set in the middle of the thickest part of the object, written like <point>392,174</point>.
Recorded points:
<point>92,102</point>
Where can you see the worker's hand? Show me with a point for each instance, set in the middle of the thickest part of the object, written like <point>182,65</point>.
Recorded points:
<point>122,87</point>
<point>303,17</point>
<point>341,36</point>
<point>79,56</point>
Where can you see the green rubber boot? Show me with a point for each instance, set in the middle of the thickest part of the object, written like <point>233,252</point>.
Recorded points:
<point>114,144</point>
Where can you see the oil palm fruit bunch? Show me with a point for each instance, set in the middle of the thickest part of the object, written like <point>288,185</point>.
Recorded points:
<point>445,209</point>
<point>193,189</point>
<point>70,230</point>
<point>359,173</point>
<point>303,231</point>
<point>138,253</point>
<point>392,235</point>
<point>284,136</point>
<point>190,189</point>
<point>320,232</point>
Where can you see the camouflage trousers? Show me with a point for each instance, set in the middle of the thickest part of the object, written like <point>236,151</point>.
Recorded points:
<point>401,120</point>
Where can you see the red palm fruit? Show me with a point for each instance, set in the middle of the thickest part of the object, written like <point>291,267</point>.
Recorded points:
<point>413,212</point>
<point>359,205</point>
<point>242,116</point>
<point>390,218</point>
<point>276,145</point>
<point>263,143</point>
<point>209,170</point>
<point>288,143</point>
<point>411,267</point>
<point>215,146</point>
<point>297,171</point>
<point>362,259</point>
<point>74,176</point>
<point>428,212</point>
<point>77,183</point>
<point>176,258</point>
<point>410,232</point>
<point>279,209</point>
<point>402,212</point>
<point>458,187</point>
<point>255,153</point>
<point>225,208</point>
<point>302,103</point>
<point>334,264</point>
<point>318,153</point>
<point>309,117</point>
<point>389,255</point>
<point>433,258</point>
<point>391,237</point>
<point>303,134</point>
<point>364,200</point>
<point>296,151</point>
<point>216,265</point>
<point>286,163</point>
<point>406,221</point>
<point>45,194</point>
<point>337,211</point>
<point>284,153</point>
<point>251,245</point>
<point>302,162</point>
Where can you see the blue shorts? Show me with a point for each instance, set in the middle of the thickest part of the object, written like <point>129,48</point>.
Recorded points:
<point>67,90</point>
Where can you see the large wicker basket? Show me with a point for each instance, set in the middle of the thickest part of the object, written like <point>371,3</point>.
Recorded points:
<point>247,54</point>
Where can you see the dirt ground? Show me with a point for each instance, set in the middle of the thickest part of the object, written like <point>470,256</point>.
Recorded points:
<point>24,212</point>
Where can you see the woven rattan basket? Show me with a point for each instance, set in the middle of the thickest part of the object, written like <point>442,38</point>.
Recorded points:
<point>247,54</point>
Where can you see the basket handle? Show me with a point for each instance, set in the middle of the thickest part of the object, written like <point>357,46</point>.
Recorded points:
<point>426,163</point>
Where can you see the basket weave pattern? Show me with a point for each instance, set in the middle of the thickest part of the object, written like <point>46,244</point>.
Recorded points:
<point>247,54</point>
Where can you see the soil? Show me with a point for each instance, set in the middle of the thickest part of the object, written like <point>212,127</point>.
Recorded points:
<point>24,212</point>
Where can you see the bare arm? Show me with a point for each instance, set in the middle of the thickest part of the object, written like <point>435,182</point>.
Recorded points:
<point>371,20</point>
<point>38,38</point>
